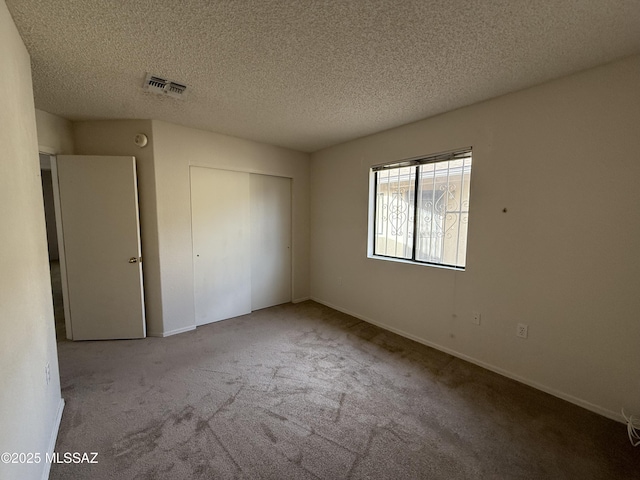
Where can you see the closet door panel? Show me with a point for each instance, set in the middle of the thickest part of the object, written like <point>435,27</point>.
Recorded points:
<point>221,230</point>
<point>270,241</point>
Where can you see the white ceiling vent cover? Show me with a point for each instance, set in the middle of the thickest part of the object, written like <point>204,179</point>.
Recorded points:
<point>162,86</point>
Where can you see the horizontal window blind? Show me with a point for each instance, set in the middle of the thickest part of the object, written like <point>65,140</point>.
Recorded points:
<point>438,157</point>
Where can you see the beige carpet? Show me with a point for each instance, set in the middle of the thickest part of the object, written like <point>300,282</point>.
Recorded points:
<point>305,392</point>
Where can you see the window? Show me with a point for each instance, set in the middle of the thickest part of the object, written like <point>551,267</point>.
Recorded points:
<point>421,209</point>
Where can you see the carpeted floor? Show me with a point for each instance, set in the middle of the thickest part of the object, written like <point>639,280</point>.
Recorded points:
<point>304,392</point>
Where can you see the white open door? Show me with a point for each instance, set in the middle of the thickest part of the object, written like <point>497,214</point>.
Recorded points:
<point>98,201</point>
<point>270,241</point>
<point>220,216</point>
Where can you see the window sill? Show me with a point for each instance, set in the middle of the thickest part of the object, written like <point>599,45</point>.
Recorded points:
<point>420,264</point>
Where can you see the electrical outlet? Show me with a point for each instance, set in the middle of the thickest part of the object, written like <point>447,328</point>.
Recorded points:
<point>476,318</point>
<point>522,331</point>
<point>339,281</point>
<point>47,373</point>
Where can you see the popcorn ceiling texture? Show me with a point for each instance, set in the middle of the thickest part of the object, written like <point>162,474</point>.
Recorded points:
<point>307,74</point>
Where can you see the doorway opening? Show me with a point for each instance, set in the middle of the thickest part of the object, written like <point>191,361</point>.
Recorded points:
<point>52,242</point>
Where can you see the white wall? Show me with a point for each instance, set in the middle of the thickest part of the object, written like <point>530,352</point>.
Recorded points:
<point>175,149</point>
<point>116,137</point>
<point>55,134</point>
<point>563,159</point>
<point>29,408</point>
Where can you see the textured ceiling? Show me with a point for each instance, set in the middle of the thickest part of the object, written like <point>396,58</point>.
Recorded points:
<point>309,74</point>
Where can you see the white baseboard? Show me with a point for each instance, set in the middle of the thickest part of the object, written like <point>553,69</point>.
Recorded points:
<point>505,373</point>
<point>171,332</point>
<point>52,439</point>
<point>300,300</point>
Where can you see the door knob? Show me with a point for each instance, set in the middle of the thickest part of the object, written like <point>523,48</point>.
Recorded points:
<point>133,260</point>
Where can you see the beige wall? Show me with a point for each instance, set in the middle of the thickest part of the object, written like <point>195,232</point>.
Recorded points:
<point>165,205</point>
<point>30,408</point>
<point>55,134</point>
<point>176,148</point>
<point>116,137</point>
<point>563,159</point>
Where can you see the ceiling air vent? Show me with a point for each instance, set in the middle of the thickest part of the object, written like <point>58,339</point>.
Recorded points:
<point>162,86</point>
<point>175,89</point>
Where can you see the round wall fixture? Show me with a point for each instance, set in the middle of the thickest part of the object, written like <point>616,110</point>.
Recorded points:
<point>141,140</point>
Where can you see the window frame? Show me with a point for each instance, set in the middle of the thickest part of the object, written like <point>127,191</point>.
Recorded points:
<point>373,226</point>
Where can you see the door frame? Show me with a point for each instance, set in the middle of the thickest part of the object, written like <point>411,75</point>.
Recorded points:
<point>59,234</point>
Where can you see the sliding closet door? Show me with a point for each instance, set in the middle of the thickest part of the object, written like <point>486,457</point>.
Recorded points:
<point>220,220</point>
<point>270,241</point>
